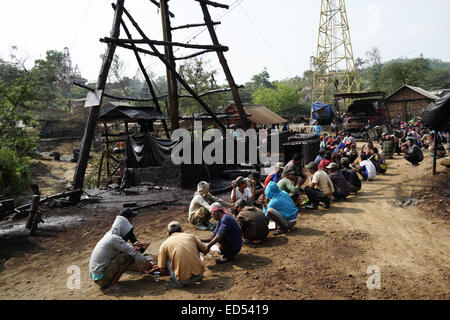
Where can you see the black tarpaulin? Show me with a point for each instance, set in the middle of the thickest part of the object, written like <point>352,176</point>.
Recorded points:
<point>146,151</point>
<point>436,115</point>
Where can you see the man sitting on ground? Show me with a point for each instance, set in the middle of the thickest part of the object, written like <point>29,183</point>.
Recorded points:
<point>325,161</point>
<point>320,187</point>
<point>342,187</point>
<point>291,184</point>
<point>413,152</point>
<point>252,221</point>
<point>350,175</point>
<point>227,234</point>
<point>281,209</point>
<point>275,176</point>
<point>179,256</point>
<point>378,161</point>
<point>112,255</point>
<point>199,209</point>
<point>242,191</point>
<point>255,178</point>
<point>319,157</point>
<point>366,168</point>
<point>388,147</point>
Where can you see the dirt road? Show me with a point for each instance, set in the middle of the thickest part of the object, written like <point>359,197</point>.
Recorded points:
<point>327,257</point>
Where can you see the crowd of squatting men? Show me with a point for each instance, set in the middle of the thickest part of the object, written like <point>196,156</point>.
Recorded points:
<point>253,206</point>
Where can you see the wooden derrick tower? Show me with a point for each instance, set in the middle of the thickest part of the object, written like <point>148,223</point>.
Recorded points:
<point>123,19</point>
<point>334,66</point>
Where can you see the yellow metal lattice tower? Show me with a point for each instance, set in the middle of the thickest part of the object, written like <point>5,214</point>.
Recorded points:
<point>334,66</point>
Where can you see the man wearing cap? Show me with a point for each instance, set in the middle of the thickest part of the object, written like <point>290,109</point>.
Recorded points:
<point>199,209</point>
<point>179,256</point>
<point>291,184</point>
<point>275,176</point>
<point>350,175</point>
<point>342,187</point>
<point>413,154</point>
<point>242,191</point>
<point>227,234</point>
<point>112,255</point>
<point>252,221</point>
<point>320,187</point>
<point>281,209</point>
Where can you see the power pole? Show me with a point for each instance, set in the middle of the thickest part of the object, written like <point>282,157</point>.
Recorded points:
<point>334,66</point>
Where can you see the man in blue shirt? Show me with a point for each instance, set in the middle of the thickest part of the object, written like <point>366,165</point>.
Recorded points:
<point>227,234</point>
<point>281,209</point>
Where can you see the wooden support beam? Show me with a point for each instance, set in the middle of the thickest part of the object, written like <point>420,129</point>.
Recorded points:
<point>147,78</point>
<point>194,55</point>
<point>172,85</point>
<point>213,4</point>
<point>163,43</point>
<point>210,92</point>
<point>223,61</point>
<point>80,171</point>
<point>53,197</point>
<point>130,47</point>
<point>178,76</point>
<point>195,25</point>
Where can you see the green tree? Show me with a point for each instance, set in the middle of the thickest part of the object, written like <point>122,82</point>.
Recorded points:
<point>201,78</point>
<point>18,140</point>
<point>283,99</point>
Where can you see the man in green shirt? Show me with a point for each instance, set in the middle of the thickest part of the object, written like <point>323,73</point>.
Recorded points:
<point>290,184</point>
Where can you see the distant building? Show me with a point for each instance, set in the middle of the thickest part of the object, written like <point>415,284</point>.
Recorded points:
<point>408,102</point>
<point>257,115</point>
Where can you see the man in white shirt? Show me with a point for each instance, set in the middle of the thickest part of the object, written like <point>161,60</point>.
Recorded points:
<point>320,187</point>
<point>366,168</point>
<point>242,191</point>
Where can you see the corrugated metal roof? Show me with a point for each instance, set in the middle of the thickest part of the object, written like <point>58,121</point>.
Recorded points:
<point>419,90</point>
<point>261,115</point>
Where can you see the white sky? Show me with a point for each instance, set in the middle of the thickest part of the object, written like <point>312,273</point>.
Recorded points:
<point>400,28</point>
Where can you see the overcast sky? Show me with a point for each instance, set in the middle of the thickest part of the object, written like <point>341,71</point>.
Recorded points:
<point>280,35</point>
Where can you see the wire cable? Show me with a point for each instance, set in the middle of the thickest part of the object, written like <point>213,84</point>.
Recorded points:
<point>267,43</point>
<point>81,25</point>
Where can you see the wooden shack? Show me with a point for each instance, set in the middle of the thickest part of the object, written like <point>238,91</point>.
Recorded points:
<point>408,102</point>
